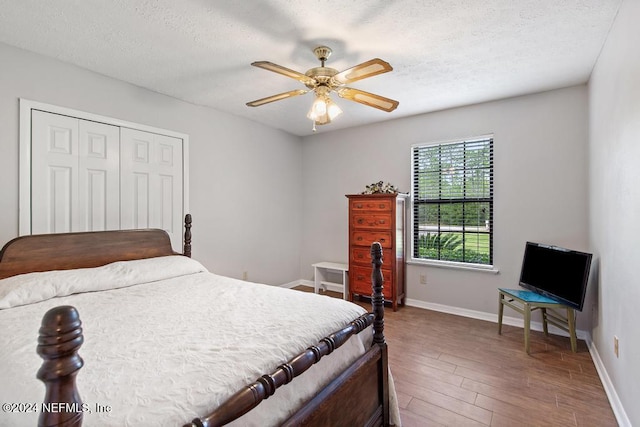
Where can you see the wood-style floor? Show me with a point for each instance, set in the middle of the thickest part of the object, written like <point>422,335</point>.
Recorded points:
<point>456,371</point>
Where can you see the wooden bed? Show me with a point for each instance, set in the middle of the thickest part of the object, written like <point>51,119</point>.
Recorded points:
<point>359,396</point>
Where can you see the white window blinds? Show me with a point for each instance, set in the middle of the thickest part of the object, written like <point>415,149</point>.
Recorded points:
<point>452,198</point>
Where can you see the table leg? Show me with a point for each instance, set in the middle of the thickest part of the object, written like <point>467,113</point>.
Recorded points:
<point>345,284</point>
<point>527,326</point>
<point>545,326</point>
<point>572,329</point>
<point>316,279</point>
<point>500,311</point>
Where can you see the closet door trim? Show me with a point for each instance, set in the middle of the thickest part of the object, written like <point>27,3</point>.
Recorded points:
<point>27,106</point>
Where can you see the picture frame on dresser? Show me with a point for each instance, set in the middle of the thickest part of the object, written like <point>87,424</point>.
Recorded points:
<point>379,217</point>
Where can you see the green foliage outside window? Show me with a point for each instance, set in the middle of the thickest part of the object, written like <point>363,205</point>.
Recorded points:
<point>430,246</point>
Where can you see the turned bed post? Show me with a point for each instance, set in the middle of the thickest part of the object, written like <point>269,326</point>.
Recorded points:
<point>377,301</point>
<point>186,250</point>
<point>59,339</point>
<point>377,297</point>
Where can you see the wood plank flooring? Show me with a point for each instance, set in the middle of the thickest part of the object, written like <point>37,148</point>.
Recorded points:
<point>456,371</point>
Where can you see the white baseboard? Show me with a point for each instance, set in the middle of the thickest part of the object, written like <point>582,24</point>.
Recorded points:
<point>612,395</point>
<point>490,317</point>
<point>296,283</point>
<point>310,284</point>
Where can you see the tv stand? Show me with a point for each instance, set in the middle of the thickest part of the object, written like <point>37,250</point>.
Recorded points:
<point>524,302</point>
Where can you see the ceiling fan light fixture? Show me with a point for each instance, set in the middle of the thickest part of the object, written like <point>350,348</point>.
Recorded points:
<point>318,108</point>
<point>323,110</point>
<point>333,110</point>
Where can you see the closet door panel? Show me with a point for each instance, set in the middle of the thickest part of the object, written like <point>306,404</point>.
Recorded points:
<point>136,181</point>
<point>99,182</point>
<point>169,203</point>
<point>60,201</point>
<point>54,173</point>
<point>139,202</point>
<point>151,182</point>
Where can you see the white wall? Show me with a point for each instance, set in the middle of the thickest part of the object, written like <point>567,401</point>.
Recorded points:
<point>540,155</point>
<point>245,178</point>
<point>614,142</point>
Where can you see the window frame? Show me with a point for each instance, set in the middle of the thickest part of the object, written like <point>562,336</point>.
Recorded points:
<point>411,236</point>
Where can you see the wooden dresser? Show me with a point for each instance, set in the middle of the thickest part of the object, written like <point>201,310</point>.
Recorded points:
<point>377,218</point>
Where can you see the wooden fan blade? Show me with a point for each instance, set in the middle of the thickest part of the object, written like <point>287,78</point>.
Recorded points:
<point>366,98</point>
<point>362,71</point>
<point>277,97</point>
<point>270,66</point>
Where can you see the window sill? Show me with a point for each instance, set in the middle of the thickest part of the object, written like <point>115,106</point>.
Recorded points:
<point>455,265</point>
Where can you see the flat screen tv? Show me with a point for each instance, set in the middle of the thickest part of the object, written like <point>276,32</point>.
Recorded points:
<point>558,273</point>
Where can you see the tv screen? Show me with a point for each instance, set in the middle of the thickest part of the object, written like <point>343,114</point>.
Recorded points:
<point>559,273</point>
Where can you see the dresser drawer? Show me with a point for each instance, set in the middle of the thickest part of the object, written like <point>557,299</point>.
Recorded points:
<point>360,255</point>
<point>371,205</point>
<point>366,238</point>
<point>360,281</point>
<point>368,220</point>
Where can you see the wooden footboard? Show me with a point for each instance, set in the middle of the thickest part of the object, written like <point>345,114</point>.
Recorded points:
<point>357,397</point>
<point>351,398</point>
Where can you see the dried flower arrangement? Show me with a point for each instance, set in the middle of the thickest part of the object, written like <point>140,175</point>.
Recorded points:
<point>380,188</point>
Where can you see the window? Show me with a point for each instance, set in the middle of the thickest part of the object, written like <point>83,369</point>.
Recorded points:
<point>452,198</point>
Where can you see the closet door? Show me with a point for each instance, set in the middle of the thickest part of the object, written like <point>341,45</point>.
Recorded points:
<point>54,173</point>
<point>99,177</point>
<point>151,182</point>
<point>74,175</point>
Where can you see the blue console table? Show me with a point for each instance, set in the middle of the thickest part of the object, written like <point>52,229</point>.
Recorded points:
<point>524,302</point>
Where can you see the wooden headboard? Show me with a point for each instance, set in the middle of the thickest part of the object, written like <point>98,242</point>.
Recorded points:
<point>65,251</point>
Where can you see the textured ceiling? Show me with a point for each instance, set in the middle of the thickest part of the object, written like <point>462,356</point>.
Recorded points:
<point>445,53</point>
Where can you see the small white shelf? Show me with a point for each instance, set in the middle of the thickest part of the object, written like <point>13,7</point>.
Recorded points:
<point>320,273</point>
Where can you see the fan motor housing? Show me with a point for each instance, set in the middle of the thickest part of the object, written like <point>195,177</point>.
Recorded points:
<point>322,75</point>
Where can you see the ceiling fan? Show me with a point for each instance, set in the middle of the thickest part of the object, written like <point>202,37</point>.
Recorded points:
<point>323,80</point>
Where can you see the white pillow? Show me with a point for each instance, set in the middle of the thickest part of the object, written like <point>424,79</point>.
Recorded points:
<point>35,287</point>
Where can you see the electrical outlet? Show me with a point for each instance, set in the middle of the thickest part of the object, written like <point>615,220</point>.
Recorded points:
<point>615,346</point>
<point>423,279</point>
<point>245,275</point>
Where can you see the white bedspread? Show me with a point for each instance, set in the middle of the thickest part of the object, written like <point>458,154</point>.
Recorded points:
<point>160,352</point>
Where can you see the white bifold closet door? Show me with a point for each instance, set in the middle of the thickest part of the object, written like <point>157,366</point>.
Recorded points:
<point>151,182</point>
<point>90,176</point>
<point>74,175</point>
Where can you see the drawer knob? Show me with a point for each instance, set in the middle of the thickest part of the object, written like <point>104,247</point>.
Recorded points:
<point>360,220</point>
